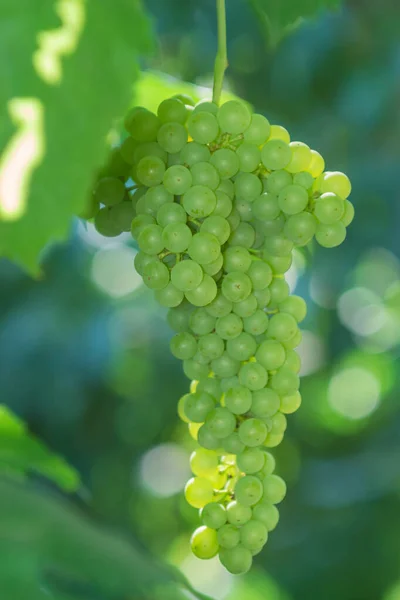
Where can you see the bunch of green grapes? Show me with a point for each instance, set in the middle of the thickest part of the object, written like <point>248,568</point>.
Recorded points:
<point>221,198</point>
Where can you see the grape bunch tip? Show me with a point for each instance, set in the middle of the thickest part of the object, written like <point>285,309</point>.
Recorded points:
<point>217,199</point>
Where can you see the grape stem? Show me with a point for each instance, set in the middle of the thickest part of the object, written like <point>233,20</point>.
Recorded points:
<point>221,59</point>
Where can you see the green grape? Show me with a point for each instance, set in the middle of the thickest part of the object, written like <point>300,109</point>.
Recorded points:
<point>274,489</point>
<point>172,110</point>
<point>229,326</point>
<point>242,347</point>
<point>150,239</point>
<point>260,274</point>
<point>204,543</point>
<point>279,133</point>
<point>233,444</point>
<point>150,170</point>
<point>171,213</point>
<point>198,405</point>
<point>267,514</point>
<point>262,297</point>
<point>238,514</point>
<point>243,235</point>
<point>234,117</point>
<point>141,260</point>
<point>236,286</point>
<point>238,400</point>
<point>248,186</point>
<point>228,536</point>
<point>210,385</point>
<point>317,164</point>
<point>172,137</point>
<point>207,107</point>
<point>295,306</point>
<point>234,219</point>
<point>337,183</point>
<point>300,228</point>
<point>252,433</point>
<point>186,275</point>
<point>177,179</point>
<point>227,187</point>
<point>220,306</point>
<point>282,327</point>
<point>276,154</point>
<point>204,293</point>
<point>199,357</point>
<point>199,492</point>
<point>194,370</point>
<point>176,237</point>
<point>223,207</point>
<point>193,153</point>
<point>199,201</point>
<point>213,515</point>
<point>293,199</point>
<point>278,245</point>
<point>105,224</point>
<point>301,157</point>
<point>249,489</point>
<point>266,403</point>
<point>225,366</point>
<point>294,341</point>
<point>211,345</point>
<point>142,124</point>
<point>253,376</point>
<point>329,208</point>
<point>292,361</point>
<point>116,166</point>
<point>257,323</point>
<point>244,209</point>
<point>278,181</point>
<point>169,296</point>
<point>266,207</point>
<point>237,258</point>
<point>273,227</point>
<point>217,226</point>
<point>304,179</point>
<point>253,535</point>
<point>207,439</point>
<point>278,424</point>
<point>246,308</point>
<point>284,381</point>
<point>127,150</point>
<point>271,354</point>
<point>203,127</point>
<point>269,465</point>
<point>330,236</point>
<point>226,162</point>
<point>109,191</point>
<point>156,197</point>
<point>155,275</point>
<point>251,460</point>
<point>174,160</point>
<point>227,383</point>
<point>142,207</point>
<point>290,403</point>
<point>279,290</point>
<point>204,248</point>
<point>183,345</point>
<point>214,267</point>
<point>204,173</point>
<point>178,318</point>
<point>249,157</point>
<point>348,214</point>
<point>278,264</point>
<point>203,462</point>
<point>221,422</point>
<point>149,149</point>
<point>258,131</point>
<point>236,560</point>
<point>201,322</point>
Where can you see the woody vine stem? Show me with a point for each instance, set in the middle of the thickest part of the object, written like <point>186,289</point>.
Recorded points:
<point>221,59</point>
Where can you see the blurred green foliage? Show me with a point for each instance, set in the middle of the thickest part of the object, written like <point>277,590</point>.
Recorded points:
<point>84,357</point>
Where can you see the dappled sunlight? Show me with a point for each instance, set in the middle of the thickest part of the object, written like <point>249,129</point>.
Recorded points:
<point>354,393</point>
<point>55,44</point>
<point>218,581</point>
<point>113,272</point>
<point>22,155</point>
<point>164,470</point>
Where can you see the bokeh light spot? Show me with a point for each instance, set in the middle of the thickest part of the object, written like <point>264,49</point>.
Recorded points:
<point>312,353</point>
<point>113,271</point>
<point>354,392</point>
<point>164,470</point>
<point>218,581</point>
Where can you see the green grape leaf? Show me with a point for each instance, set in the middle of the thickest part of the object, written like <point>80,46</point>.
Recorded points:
<point>68,69</point>
<point>21,453</point>
<point>277,19</point>
<point>46,544</point>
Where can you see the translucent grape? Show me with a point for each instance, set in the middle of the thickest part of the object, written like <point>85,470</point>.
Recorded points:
<point>236,560</point>
<point>233,444</point>
<point>295,306</point>
<point>234,117</point>
<point>213,515</point>
<point>228,536</point>
<point>150,170</point>
<point>177,179</point>
<point>176,237</point>
<point>223,207</point>
<point>207,439</point>
<point>214,267</point>
<point>253,535</point>
<point>221,422</point>
<point>282,327</point>
<point>173,110</point>
<point>277,181</point>
<point>199,201</point>
<point>262,297</point>
<point>141,260</point>
<point>204,173</point>
<point>256,323</point>
<point>220,306</point>
<point>258,131</point>
<point>211,345</point>
<point>149,149</point>
<point>204,248</point>
<point>300,228</point>
<point>348,214</point>
<point>253,432</point>
<point>284,381</point>
<point>142,124</point>
<point>279,290</point>
<point>317,164</point>
<point>186,275</point>
<point>238,400</point>
<point>106,226</point>
<point>236,286</point>
<point>238,514</point>
<point>267,514</point>
<point>329,208</point>
<point>271,354</point>
<point>210,385</point>
<point>225,366</point>
<point>292,361</point>
<point>193,153</point>
<point>204,293</point>
<point>248,490</point>
<point>274,489</point>
<point>183,345</point>
<point>206,106</point>
<point>247,307</point>
<point>266,207</point>
<point>178,318</point>
<point>304,179</point>
<point>109,191</point>
<point>156,196</point>
<point>203,462</point>
<point>243,235</point>
<point>293,199</point>
<point>244,209</point>
<point>172,137</point>
<point>226,162</point>
<point>337,183</point>
<point>279,133</point>
<point>301,157</point>
<point>155,275</point>
<point>204,543</point>
<point>150,239</point>
<point>289,404</point>
<point>217,226</point>
<point>169,296</point>
<point>253,376</point>
<point>203,127</point>
<point>260,274</point>
<point>266,403</point>
<point>249,157</point>
<point>241,347</point>
<point>171,213</point>
<point>229,326</point>
<point>199,492</point>
<point>330,236</point>
<point>198,405</point>
<point>276,154</point>
<point>237,258</point>
<point>251,460</point>
<point>201,322</point>
<point>228,187</point>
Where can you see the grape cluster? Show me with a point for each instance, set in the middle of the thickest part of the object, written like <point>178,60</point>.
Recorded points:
<point>220,198</point>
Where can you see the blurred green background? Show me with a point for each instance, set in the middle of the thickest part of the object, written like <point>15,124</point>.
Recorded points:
<point>84,356</point>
